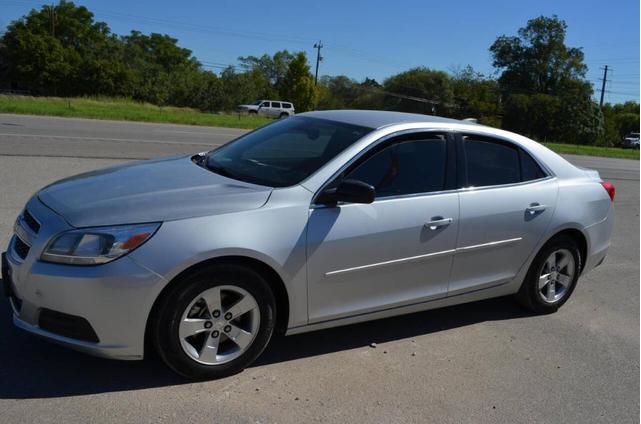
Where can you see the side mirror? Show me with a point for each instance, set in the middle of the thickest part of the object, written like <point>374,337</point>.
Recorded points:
<point>351,191</point>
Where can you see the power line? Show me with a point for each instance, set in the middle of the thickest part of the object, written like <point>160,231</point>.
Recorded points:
<point>622,93</point>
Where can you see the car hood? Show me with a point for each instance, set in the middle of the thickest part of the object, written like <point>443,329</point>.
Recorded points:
<point>149,191</point>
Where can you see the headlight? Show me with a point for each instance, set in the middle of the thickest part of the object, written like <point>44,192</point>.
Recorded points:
<point>93,246</point>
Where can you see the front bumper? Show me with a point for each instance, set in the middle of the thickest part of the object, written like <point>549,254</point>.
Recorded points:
<point>113,300</point>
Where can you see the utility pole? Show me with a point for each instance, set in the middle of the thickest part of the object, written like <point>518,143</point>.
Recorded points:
<point>605,77</point>
<point>318,46</point>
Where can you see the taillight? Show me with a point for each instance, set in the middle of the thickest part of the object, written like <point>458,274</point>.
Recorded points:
<point>609,187</point>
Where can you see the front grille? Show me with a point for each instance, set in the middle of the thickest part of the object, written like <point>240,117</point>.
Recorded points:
<point>31,221</point>
<point>21,248</point>
<point>67,325</point>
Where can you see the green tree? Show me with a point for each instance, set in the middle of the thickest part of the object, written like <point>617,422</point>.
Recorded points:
<point>475,96</point>
<point>337,92</point>
<point>421,83</point>
<point>273,68</point>
<point>620,120</point>
<point>543,87</point>
<point>298,84</point>
<point>55,57</point>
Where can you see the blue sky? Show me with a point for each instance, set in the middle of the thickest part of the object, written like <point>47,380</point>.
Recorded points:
<point>377,38</point>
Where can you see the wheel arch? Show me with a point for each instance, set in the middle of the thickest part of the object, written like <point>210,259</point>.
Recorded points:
<point>578,236</point>
<point>273,279</point>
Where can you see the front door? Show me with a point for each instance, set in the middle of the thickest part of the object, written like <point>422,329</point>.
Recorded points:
<point>397,250</point>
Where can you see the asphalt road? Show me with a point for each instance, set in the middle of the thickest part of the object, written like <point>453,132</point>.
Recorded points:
<point>484,362</point>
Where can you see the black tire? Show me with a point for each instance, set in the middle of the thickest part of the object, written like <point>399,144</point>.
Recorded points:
<point>173,304</point>
<point>528,295</point>
<point>284,115</point>
<point>252,112</point>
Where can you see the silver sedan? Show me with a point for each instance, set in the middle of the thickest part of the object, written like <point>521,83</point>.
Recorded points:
<point>320,220</point>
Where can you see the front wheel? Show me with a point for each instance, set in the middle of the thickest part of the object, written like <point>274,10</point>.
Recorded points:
<point>215,322</point>
<point>552,276</point>
<point>284,115</point>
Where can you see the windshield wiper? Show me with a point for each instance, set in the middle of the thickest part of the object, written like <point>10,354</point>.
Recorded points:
<point>219,169</point>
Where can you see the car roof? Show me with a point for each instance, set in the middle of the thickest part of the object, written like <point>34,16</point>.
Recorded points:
<point>377,118</point>
<point>382,122</point>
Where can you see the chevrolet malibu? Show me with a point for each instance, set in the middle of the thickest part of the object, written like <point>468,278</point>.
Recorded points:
<point>320,220</point>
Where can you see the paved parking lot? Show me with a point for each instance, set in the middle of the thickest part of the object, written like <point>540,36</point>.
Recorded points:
<point>484,362</point>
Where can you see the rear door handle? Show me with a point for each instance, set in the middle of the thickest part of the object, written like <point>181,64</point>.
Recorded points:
<point>535,208</point>
<point>438,222</point>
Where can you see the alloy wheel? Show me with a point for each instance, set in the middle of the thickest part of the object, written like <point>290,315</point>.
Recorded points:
<point>219,325</point>
<point>556,276</point>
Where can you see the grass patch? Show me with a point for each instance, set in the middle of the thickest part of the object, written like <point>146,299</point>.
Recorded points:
<point>122,109</point>
<point>608,152</point>
<point>129,110</point>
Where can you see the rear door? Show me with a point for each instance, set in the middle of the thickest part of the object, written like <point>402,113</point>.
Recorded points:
<point>506,203</point>
<point>397,250</point>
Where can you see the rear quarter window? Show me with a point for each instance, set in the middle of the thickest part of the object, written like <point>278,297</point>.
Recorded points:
<point>530,170</point>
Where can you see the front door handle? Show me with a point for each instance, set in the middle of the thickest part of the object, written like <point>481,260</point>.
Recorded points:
<point>535,208</point>
<point>438,222</point>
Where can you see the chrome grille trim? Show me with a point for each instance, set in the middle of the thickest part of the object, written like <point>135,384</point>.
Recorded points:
<point>23,232</point>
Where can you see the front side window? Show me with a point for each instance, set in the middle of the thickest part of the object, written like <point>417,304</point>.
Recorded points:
<point>490,163</point>
<point>265,104</point>
<point>284,153</point>
<point>406,167</point>
<point>287,105</point>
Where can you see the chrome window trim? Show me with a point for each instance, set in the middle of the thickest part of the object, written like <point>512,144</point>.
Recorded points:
<point>389,198</point>
<point>437,193</point>
<point>427,255</point>
<point>521,183</point>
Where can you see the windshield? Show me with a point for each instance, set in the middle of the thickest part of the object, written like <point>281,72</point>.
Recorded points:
<point>284,153</point>
<point>257,102</point>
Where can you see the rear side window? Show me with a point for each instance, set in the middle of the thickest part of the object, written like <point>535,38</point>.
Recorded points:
<point>407,167</point>
<point>490,163</point>
<point>530,170</point>
<point>276,104</point>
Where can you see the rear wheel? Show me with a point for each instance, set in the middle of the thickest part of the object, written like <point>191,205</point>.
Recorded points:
<point>215,322</point>
<point>552,276</point>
